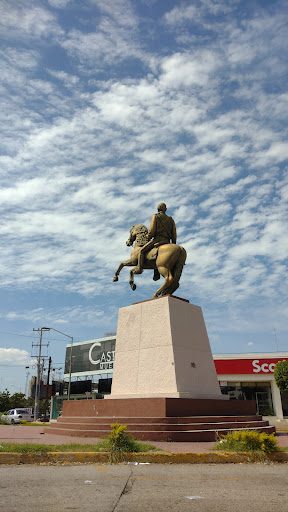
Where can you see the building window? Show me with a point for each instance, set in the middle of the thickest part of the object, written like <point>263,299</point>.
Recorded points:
<point>258,391</point>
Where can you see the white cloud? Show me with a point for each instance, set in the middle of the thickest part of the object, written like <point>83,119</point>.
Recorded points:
<point>187,70</point>
<point>120,10</point>
<point>51,316</point>
<point>14,356</point>
<point>182,14</point>
<point>278,151</point>
<point>185,13</point>
<point>20,58</point>
<point>113,38</point>
<point>27,20</point>
<point>67,79</point>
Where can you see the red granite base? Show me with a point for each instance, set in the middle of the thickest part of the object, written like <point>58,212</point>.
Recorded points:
<point>160,407</point>
<point>159,419</point>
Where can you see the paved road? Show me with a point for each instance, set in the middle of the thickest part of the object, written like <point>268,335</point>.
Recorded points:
<point>143,488</point>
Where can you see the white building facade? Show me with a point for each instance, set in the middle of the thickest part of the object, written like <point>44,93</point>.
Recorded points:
<point>251,377</point>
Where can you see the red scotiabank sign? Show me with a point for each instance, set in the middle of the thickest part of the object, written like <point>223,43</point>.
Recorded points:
<point>246,366</point>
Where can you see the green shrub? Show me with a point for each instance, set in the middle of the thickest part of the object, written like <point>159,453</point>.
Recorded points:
<point>118,443</point>
<point>269,411</point>
<point>281,375</point>
<point>3,422</point>
<point>248,441</point>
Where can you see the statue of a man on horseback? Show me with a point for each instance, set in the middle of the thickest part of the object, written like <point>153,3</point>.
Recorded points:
<point>153,250</point>
<point>162,230</point>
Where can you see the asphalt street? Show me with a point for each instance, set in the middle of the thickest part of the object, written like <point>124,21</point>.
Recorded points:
<point>143,488</point>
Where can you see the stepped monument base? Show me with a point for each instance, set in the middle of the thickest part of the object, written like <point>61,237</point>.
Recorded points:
<point>165,386</point>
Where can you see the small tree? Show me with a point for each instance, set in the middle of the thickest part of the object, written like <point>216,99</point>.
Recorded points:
<point>281,375</point>
<point>18,400</point>
<point>4,400</point>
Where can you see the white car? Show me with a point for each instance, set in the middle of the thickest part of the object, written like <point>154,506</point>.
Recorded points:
<point>17,415</point>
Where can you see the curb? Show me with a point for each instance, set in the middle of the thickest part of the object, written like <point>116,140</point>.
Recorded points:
<point>151,458</point>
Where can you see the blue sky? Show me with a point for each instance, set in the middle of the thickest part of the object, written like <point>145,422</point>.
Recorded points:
<point>109,107</point>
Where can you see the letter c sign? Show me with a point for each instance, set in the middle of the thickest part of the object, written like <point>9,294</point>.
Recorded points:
<point>92,361</point>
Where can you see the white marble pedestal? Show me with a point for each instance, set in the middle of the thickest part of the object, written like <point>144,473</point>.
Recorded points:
<point>162,350</point>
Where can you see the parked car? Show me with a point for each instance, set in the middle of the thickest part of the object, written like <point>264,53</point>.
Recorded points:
<point>17,415</point>
<point>44,418</point>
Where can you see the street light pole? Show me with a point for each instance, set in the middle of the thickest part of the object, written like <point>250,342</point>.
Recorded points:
<point>70,369</point>
<point>70,364</point>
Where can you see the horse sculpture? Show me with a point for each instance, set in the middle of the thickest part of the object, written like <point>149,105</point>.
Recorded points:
<point>168,259</point>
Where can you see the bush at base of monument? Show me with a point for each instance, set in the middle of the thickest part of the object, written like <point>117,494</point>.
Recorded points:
<point>248,441</point>
<point>118,443</point>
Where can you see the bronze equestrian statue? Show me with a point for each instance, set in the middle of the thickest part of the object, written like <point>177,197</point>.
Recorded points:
<point>153,250</point>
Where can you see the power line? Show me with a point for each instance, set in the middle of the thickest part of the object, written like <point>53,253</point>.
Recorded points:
<point>29,336</point>
<point>13,365</point>
<point>15,334</point>
<point>22,365</point>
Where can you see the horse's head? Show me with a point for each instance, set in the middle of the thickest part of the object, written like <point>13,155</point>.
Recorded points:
<point>132,237</point>
<point>138,233</point>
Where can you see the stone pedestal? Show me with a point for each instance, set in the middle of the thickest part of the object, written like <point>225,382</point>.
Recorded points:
<point>162,350</point>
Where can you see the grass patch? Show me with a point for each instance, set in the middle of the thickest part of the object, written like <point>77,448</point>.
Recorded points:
<point>25,423</point>
<point>34,424</point>
<point>247,441</point>
<point>69,447</point>
<point>134,446</point>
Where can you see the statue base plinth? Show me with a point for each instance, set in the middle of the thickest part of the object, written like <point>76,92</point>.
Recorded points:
<point>159,419</point>
<point>162,350</point>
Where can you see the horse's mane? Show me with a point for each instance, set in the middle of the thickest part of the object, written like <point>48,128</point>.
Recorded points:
<point>140,231</point>
<point>140,228</point>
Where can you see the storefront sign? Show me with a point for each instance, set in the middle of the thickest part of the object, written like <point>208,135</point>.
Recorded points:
<point>89,358</point>
<point>246,366</point>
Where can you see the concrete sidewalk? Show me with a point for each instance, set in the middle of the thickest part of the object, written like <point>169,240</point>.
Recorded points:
<point>27,434</point>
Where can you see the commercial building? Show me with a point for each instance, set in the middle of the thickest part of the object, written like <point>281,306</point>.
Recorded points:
<point>241,376</point>
<point>251,377</point>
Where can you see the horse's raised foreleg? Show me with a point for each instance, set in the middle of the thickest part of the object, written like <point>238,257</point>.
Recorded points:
<point>133,271</point>
<point>131,280</point>
<point>127,263</point>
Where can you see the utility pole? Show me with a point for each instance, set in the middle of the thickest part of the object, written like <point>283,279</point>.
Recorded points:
<point>47,386</point>
<point>37,387</point>
<point>37,390</point>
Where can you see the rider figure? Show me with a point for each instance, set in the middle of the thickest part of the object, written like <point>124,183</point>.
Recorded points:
<point>162,230</point>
